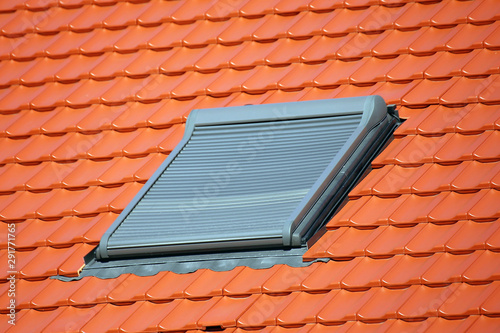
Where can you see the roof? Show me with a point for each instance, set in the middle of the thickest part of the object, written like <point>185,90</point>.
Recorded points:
<point>94,96</point>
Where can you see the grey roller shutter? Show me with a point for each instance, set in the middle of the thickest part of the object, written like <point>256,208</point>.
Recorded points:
<point>251,177</point>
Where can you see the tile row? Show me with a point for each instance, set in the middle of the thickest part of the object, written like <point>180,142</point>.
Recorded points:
<point>456,91</point>
<point>297,18</point>
<point>35,5</point>
<point>414,150</point>
<point>368,211</point>
<point>418,93</point>
<point>393,180</point>
<point>146,12</point>
<point>463,243</point>
<point>331,75</point>
<point>64,232</point>
<point>421,239</point>
<point>408,209</point>
<point>133,115</point>
<point>355,275</point>
<point>259,311</point>
<point>125,117</point>
<point>81,174</point>
<point>236,8</point>
<point>422,41</point>
<point>73,146</point>
<point>98,142</point>
<point>248,55</point>
<point>58,203</point>
<point>44,262</point>
<point>475,323</point>
<point>469,119</point>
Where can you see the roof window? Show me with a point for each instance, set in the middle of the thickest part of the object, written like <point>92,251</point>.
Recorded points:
<point>252,177</point>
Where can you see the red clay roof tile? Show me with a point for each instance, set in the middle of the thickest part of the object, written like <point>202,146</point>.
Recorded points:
<point>93,291</point>
<point>374,70</point>
<point>337,73</point>
<point>454,12</point>
<point>310,24</point>
<point>489,95</point>
<point>409,19</point>
<point>108,316</point>
<point>456,265</point>
<point>361,45</point>
<point>293,82</point>
<point>344,246</point>
<point>171,285</point>
<point>37,320</point>
<point>182,60</point>
<point>464,202</point>
<point>200,288</point>
<point>383,18</point>
<point>221,56</point>
<point>53,294</point>
<point>35,233</point>
<point>475,296</point>
<point>471,236</point>
<point>346,20</point>
<point>144,317</point>
<point>351,301</point>
<point>471,37</point>
<point>29,123</point>
<point>397,42</point>
<point>264,311</point>
<point>240,30</point>
<point>303,309</point>
<point>425,302</point>
<point>385,304</point>
<point>81,229</point>
<point>265,78</point>
<point>393,240</point>
<point>449,64</point>
<point>437,178</point>
<point>483,269</point>
<point>194,84</point>
<point>79,141</point>
<point>288,7</point>
<point>253,9</point>
<point>368,273</point>
<point>392,92</point>
<point>27,291</point>
<point>226,311</point>
<point>489,114</point>
<point>324,44</point>
<point>248,281</point>
<point>329,275</point>
<point>186,314</point>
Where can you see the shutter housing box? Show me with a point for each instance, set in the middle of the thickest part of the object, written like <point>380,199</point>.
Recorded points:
<point>252,177</point>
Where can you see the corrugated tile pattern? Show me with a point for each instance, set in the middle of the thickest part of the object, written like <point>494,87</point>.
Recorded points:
<point>94,95</point>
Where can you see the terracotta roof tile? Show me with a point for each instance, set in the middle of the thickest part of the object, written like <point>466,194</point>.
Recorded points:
<point>108,316</point>
<point>94,96</point>
<point>264,311</point>
<point>186,314</point>
<point>393,240</point>
<point>226,311</point>
<point>150,314</point>
<point>304,309</point>
<point>37,320</point>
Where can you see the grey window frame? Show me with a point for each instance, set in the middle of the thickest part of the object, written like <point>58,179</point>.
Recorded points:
<point>375,128</point>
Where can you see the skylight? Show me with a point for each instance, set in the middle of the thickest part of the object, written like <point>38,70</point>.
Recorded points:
<point>252,177</point>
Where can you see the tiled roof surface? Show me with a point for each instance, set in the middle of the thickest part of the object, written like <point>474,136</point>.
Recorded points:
<point>94,95</point>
